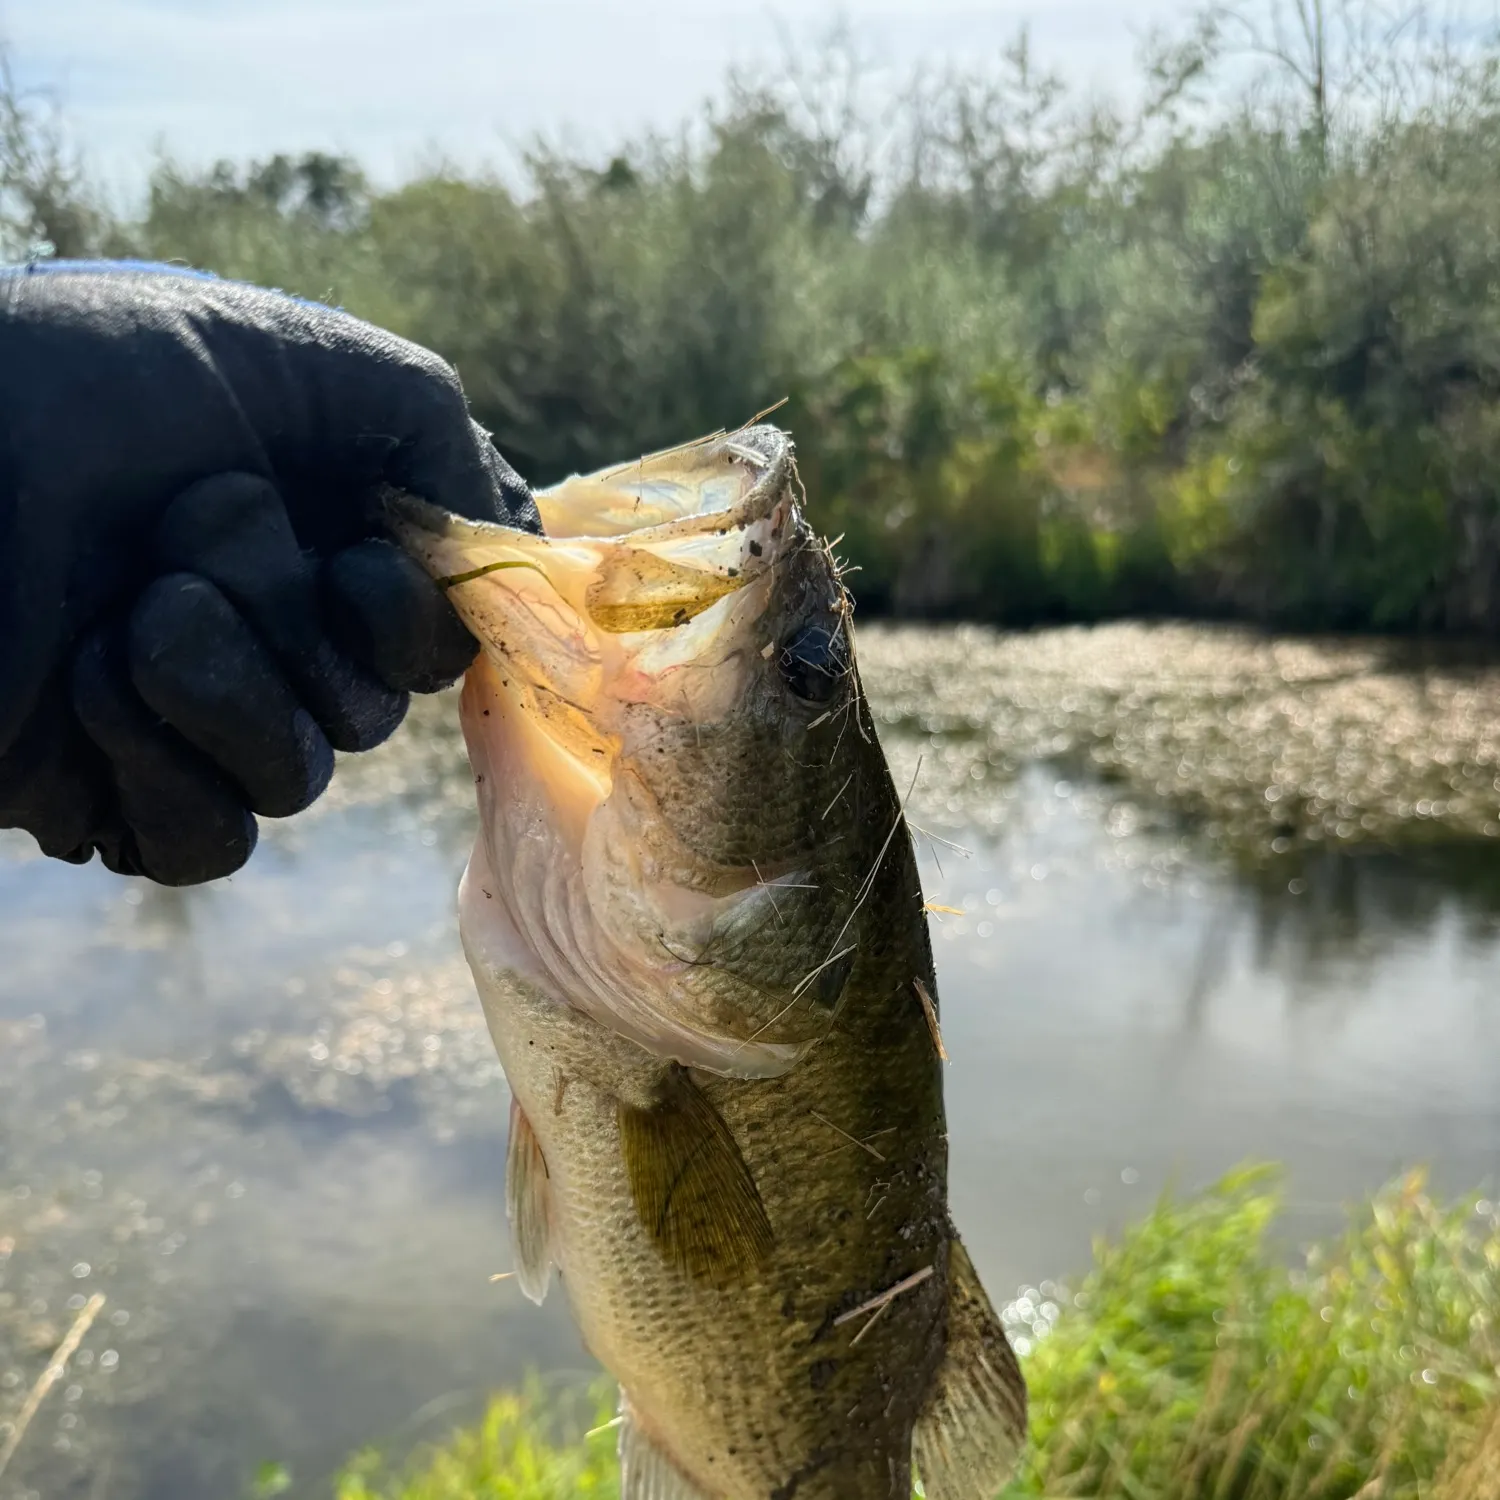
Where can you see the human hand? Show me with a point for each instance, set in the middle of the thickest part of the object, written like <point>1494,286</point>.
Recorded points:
<point>197,606</point>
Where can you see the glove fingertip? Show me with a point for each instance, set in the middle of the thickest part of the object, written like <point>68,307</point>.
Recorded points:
<point>53,782</point>
<point>179,865</point>
<point>199,666</point>
<point>179,820</point>
<point>516,503</point>
<point>389,616</point>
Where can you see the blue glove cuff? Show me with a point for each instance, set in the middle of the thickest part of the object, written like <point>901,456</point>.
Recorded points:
<point>103,268</point>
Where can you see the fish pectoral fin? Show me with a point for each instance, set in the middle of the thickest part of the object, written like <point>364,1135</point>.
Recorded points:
<point>693,1193</point>
<point>528,1206</point>
<point>971,1426</point>
<point>646,1473</point>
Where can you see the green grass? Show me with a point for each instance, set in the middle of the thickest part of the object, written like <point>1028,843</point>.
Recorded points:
<point>521,1450</point>
<point>1193,1361</point>
<point>1198,1364</point>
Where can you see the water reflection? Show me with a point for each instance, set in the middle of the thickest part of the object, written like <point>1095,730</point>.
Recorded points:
<point>266,1120</point>
<point>1123,1014</point>
<point>1368,903</point>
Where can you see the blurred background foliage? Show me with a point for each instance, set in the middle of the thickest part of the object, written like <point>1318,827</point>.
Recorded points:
<point>1234,349</point>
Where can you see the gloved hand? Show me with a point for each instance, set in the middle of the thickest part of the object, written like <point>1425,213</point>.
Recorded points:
<point>196,605</point>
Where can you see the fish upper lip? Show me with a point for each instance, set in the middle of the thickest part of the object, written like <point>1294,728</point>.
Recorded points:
<point>763,445</point>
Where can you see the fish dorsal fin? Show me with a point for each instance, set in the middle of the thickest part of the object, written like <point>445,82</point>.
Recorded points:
<point>646,1473</point>
<point>527,1206</point>
<point>973,1422</point>
<point>693,1193</point>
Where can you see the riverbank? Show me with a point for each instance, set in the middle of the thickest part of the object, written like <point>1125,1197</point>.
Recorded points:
<point>1193,1360</point>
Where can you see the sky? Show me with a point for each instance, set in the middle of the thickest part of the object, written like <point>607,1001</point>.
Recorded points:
<point>398,83</point>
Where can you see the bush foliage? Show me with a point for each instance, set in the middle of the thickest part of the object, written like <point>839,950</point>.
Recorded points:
<point>1236,349</point>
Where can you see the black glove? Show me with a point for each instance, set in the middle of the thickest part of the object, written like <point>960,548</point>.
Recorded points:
<point>196,606</point>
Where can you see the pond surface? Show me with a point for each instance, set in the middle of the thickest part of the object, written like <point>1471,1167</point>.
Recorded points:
<point>1223,898</point>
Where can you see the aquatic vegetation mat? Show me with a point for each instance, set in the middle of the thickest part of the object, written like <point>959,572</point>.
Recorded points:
<point>1193,1361</point>
<point>1269,743</point>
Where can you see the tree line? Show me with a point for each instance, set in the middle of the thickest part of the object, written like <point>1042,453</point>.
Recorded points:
<point>1234,349</point>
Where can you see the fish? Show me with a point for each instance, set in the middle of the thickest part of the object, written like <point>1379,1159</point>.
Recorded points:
<point>695,923</point>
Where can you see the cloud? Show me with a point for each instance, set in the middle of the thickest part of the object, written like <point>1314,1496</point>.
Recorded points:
<point>396,81</point>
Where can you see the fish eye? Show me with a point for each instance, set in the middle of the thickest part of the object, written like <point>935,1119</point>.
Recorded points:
<point>813,661</point>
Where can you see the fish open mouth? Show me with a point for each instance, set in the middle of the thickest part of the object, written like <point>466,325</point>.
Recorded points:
<point>644,546</point>
<point>647,604</point>
<point>642,566</point>
<point>629,553</point>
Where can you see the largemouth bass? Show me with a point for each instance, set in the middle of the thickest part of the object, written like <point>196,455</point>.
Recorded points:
<point>694,918</point>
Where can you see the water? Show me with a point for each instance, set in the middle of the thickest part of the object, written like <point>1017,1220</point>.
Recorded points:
<point>1223,898</point>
